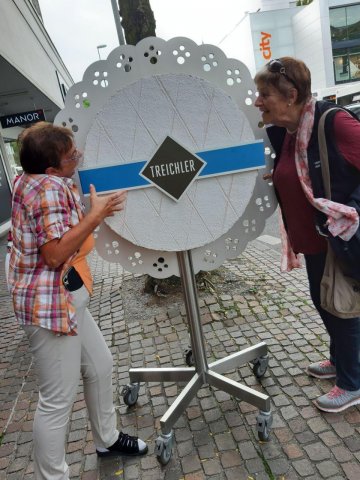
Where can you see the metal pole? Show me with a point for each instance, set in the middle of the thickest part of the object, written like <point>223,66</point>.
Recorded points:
<point>188,284</point>
<point>119,29</point>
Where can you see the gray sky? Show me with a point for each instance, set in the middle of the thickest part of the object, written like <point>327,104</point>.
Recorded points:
<point>77,27</point>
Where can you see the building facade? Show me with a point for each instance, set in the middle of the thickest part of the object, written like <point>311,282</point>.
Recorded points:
<point>33,80</point>
<point>324,34</point>
<point>345,39</point>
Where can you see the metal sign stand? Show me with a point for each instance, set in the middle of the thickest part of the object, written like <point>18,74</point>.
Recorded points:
<point>203,373</point>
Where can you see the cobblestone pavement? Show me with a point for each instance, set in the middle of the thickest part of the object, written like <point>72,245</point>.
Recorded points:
<point>215,438</point>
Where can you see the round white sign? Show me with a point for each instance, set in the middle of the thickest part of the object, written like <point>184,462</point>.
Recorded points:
<point>181,204</point>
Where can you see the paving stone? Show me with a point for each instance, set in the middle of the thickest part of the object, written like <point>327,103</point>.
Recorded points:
<point>341,454</point>
<point>278,466</point>
<point>292,451</point>
<point>303,467</point>
<point>305,437</point>
<point>212,467</point>
<point>224,441</point>
<point>343,429</point>
<point>352,443</point>
<point>195,476</point>
<point>317,425</point>
<point>351,470</point>
<point>255,466</point>
<point>185,448</point>
<point>190,464</point>
<point>327,469</point>
<point>230,459</point>
<point>18,465</point>
<point>236,473</point>
<point>247,450</point>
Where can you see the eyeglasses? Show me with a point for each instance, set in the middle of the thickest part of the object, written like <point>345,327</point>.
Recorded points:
<point>76,156</point>
<point>276,66</point>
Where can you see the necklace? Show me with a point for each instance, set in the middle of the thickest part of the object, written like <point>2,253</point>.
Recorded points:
<point>291,132</point>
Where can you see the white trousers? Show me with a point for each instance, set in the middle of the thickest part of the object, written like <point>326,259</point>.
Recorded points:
<point>7,262</point>
<point>59,361</point>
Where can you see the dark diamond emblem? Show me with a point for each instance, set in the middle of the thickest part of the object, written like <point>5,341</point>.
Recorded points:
<point>173,168</point>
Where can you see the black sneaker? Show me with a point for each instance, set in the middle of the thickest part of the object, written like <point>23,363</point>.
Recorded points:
<point>124,445</point>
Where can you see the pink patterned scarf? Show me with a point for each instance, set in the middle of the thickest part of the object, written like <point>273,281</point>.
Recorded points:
<point>342,221</point>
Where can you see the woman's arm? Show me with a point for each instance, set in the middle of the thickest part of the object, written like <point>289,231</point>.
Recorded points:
<point>57,251</point>
<point>347,137</point>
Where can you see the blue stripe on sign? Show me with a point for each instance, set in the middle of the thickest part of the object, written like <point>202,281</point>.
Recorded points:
<point>226,160</point>
<point>115,177</point>
<point>219,161</point>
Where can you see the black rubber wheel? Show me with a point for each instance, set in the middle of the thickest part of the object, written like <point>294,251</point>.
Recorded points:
<point>165,455</point>
<point>264,435</point>
<point>259,369</point>
<point>163,449</point>
<point>130,398</point>
<point>189,358</point>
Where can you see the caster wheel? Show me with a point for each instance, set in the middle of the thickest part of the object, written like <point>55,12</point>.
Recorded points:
<point>264,436</point>
<point>165,456</point>
<point>189,358</point>
<point>264,421</point>
<point>260,366</point>
<point>130,394</point>
<point>163,448</point>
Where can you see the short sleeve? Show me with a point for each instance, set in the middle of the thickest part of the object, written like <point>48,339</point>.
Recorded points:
<point>50,213</point>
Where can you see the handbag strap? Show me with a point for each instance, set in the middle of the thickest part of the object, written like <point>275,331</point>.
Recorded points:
<point>324,159</point>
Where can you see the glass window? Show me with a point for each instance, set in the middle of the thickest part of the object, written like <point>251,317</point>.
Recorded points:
<point>345,26</point>
<point>353,21</point>
<point>346,64</point>
<point>354,63</point>
<point>341,65</point>
<point>338,27</point>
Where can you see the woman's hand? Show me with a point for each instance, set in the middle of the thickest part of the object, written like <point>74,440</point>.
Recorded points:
<point>102,206</point>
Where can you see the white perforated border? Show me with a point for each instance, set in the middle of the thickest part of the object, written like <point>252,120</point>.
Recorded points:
<point>153,56</point>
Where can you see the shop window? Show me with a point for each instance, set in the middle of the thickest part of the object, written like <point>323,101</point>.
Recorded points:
<point>338,24</point>
<point>345,23</point>
<point>353,21</point>
<point>354,63</point>
<point>341,65</point>
<point>346,64</point>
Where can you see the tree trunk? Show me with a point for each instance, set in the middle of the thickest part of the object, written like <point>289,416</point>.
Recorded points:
<point>137,20</point>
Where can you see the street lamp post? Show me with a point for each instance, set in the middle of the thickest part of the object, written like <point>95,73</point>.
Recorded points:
<point>98,49</point>
<point>118,26</point>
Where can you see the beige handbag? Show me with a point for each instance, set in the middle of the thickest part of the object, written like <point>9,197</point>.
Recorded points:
<point>339,293</point>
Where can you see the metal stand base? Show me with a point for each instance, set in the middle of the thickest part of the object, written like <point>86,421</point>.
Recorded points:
<point>203,373</point>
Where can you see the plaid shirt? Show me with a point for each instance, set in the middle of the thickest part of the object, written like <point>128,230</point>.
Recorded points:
<point>44,208</point>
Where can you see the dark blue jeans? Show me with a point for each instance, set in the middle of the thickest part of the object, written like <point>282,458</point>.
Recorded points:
<point>344,334</point>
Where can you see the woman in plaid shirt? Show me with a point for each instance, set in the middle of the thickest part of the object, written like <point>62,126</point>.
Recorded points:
<point>50,282</point>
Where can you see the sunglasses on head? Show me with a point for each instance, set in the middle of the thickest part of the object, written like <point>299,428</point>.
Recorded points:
<point>276,66</point>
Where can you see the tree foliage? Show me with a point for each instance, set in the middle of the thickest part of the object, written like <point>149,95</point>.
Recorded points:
<point>137,20</point>
<point>301,3</point>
